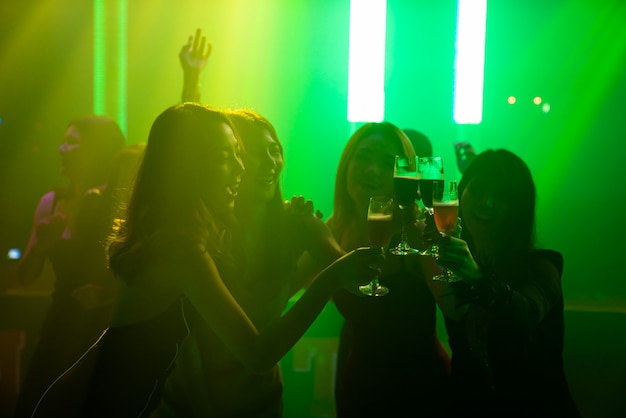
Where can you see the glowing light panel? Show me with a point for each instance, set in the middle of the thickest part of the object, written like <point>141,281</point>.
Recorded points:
<point>470,61</point>
<point>366,61</point>
<point>99,57</point>
<point>122,65</point>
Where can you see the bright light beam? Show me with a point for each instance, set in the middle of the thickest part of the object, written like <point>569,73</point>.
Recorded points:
<point>122,66</point>
<point>99,57</point>
<point>366,61</point>
<point>470,61</point>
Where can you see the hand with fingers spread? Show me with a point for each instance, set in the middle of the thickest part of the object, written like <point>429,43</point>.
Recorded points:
<point>312,233</point>
<point>299,206</point>
<point>195,53</point>
<point>193,57</point>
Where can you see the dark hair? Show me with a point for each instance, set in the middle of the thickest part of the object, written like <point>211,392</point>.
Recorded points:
<point>249,125</point>
<point>280,254</point>
<point>102,139</point>
<point>169,194</point>
<point>344,207</point>
<point>510,180</point>
<point>421,143</point>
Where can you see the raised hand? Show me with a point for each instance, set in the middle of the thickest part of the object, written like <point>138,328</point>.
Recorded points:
<point>195,53</point>
<point>193,57</point>
<point>299,206</point>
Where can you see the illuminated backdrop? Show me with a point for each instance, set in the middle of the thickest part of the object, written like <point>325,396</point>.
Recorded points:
<point>288,59</point>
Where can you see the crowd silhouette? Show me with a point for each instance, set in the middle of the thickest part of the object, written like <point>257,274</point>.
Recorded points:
<point>175,260</point>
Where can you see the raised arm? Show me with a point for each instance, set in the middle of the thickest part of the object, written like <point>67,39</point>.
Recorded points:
<point>46,231</point>
<point>193,57</point>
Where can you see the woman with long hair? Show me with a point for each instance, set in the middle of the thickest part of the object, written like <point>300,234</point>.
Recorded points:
<point>269,238</point>
<point>70,228</point>
<point>506,331</point>
<point>390,361</point>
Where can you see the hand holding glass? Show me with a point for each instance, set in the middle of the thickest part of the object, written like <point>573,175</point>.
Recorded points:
<point>445,212</point>
<point>430,173</point>
<point>405,182</point>
<point>379,230</point>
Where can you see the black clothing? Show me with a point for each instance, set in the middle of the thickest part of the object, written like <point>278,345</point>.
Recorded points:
<point>123,374</point>
<point>390,359</point>
<point>505,362</point>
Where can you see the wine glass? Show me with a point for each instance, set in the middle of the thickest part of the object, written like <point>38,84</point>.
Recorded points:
<point>406,183</point>
<point>379,230</point>
<point>430,170</point>
<point>445,211</point>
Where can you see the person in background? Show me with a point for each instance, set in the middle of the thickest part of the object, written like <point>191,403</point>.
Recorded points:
<point>465,153</point>
<point>70,226</point>
<point>506,327</point>
<point>422,145</point>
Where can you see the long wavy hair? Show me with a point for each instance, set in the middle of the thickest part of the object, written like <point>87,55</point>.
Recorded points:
<point>510,180</point>
<point>344,207</point>
<point>170,190</point>
<point>279,252</point>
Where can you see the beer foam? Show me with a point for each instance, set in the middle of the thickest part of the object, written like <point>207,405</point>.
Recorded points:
<point>380,217</point>
<point>451,203</point>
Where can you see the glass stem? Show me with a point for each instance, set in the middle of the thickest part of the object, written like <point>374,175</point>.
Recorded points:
<point>403,235</point>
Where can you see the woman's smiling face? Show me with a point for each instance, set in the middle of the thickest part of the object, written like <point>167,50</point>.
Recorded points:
<point>226,168</point>
<point>263,159</point>
<point>370,172</point>
<point>482,210</point>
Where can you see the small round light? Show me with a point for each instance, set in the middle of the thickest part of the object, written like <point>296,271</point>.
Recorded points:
<point>511,100</point>
<point>537,100</point>
<point>14,254</point>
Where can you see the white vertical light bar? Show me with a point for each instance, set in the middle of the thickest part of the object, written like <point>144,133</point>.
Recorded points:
<point>122,117</point>
<point>470,61</point>
<point>99,58</point>
<point>366,61</point>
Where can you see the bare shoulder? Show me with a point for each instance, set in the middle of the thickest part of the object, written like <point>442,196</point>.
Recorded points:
<point>47,200</point>
<point>46,204</point>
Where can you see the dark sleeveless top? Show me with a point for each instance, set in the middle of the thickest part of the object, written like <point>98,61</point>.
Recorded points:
<point>209,381</point>
<point>389,347</point>
<point>123,373</point>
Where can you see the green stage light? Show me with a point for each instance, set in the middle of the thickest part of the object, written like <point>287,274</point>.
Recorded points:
<point>366,61</point>
<point>470,61</point>
<point>99,57</point>
<point>122,65</point>
<point>110,60</point>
